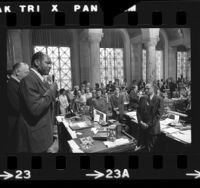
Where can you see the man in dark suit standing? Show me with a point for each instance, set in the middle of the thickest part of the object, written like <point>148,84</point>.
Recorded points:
<point>19,71</point>
<point>149,112</point>
<point>117,104</point>
<point>36,102</point>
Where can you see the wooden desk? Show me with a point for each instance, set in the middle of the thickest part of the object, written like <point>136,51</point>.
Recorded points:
<point>180,140</point>
<point>67,135</point>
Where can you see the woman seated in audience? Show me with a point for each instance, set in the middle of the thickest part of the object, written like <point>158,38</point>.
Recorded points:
<point>63,102</point>
<point>91,100</point>
<point>82,97</point>
<point>88,94</point>
<point>76,89</point>
<point>70,98</point>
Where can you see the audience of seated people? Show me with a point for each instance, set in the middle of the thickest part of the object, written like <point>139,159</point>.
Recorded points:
<point>109,97</point>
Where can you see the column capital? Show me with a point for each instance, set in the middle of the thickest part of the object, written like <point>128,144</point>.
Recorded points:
<point>95,37</point>
<point>15,30</point>
<point>151,42</point>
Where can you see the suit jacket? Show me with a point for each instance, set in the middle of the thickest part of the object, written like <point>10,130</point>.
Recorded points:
<point>117,102</point>
<point>36,101</point>
<point>150,113</point>
<point>100,104</point>
<point>12,112</point>
<point>134,99</point>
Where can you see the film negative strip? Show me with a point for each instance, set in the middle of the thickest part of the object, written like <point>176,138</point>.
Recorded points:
<point>96,93</point>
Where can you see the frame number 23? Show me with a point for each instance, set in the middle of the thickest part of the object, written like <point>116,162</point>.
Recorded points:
<point>22,174</point>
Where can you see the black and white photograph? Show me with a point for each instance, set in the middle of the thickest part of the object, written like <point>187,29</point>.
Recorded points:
<point>138,78</point>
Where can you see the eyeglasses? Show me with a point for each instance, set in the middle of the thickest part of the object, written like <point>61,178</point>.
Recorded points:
<point>147,88</point>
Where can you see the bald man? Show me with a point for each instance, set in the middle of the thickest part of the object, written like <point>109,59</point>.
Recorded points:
<point>149,113</point>
<point>19,71</point>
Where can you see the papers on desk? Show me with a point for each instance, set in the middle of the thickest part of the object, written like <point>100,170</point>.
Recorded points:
<point>117,142</point>
<point>59,118</point>
<point>170,130</point>
<point>184,136</point>
<point>75,148</point>
<point>72,133</point>
<point>132,115</point>
<point>167,121</point>
<point>94,130</point>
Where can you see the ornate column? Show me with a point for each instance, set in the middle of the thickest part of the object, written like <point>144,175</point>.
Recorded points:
<point>94,37</point>
<point>172,68</point>
<point>151,59</point>
<point>75,66</point>
<point>136,56</point>
<point>84,56</point>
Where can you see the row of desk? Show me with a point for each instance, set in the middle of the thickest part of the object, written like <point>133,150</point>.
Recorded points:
<point>70,140</point>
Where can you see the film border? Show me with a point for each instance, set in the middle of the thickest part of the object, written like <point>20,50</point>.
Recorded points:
<point>183,15</point>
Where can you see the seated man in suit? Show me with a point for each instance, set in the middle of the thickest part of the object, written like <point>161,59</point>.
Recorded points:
<point>117,104</point>
<point>20,70</point>
<point>100,102</point>
<point>149,113</point>
<point>36,101</point>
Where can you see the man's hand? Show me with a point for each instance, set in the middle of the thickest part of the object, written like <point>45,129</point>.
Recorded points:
<point>54,86</point>
<point>144,125</point>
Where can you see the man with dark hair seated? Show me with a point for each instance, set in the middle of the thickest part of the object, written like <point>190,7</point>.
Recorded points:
<point>100,102</point>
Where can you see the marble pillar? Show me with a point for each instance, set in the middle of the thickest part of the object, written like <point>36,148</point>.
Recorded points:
<point>75,62</point>
<point>151,59</point>
<point>136,51</point>
<point>84,59</point>
<point>94,66</point>
<point>172,69</point>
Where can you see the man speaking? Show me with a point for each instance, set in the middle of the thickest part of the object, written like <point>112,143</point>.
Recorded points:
<point>37,100</point>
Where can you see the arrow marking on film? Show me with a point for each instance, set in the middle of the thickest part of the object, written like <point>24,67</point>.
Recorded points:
<point>196,174</point>
<point>6,175</point>
<point>96,175</point>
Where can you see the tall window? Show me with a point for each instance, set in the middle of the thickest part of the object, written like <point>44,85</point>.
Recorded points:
<point>61,64</point>
<point>111,64</point>
<point>181,63</point>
